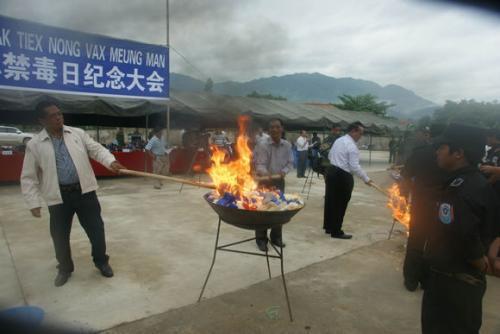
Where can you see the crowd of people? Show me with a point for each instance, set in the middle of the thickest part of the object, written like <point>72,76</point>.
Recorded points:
<point>454,238</point>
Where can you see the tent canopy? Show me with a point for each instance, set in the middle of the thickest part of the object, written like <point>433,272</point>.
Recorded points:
<point>188,110</point>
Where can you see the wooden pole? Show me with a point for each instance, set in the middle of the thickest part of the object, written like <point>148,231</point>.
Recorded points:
<point>166,178</point>
<point>267,178</point>
<point>184,181</point>
<point>379,188</point>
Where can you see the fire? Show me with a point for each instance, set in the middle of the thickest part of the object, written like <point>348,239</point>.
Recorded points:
<point>235,185</point>
<point>399,206</point>
<point>235,176</point>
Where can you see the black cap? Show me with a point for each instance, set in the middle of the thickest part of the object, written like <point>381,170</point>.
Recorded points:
<point>471,139</point>
<point>436,129</point>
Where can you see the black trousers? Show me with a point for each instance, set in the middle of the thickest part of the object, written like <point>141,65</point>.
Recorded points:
<point>339,185</point>
<point>451,305</point>
<point>276,232</point>
<point>301,163</point>
<point>392,156</point>
<point>87,208</point>
<point>415,268</point>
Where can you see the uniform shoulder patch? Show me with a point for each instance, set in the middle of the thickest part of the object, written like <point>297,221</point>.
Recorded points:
<point>457,182</point>
<point>446,214</point>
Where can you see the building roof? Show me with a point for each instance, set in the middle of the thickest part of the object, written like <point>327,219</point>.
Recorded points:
<point>189,109</point>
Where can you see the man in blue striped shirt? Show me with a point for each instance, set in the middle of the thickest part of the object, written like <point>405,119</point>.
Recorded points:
<point>156,149</point>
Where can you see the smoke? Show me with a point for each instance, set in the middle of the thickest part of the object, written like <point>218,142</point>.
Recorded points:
<point>210,34</point>
<point>439,51</point>
<point>225,41</point>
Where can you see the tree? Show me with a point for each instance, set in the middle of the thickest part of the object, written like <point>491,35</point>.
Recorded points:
<point>425,121</point>
<point>266,96</point>
<point>486,114</point>
<point>366,103</point>
<point>209,85</point>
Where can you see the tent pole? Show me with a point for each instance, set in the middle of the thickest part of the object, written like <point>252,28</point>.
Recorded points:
<point>370,151</point>
<point>168,46</point>
<point>168,123</point>
<point>147,139</point>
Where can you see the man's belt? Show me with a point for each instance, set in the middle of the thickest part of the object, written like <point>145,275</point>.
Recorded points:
<point>464,277</point>
<point>70,187</point>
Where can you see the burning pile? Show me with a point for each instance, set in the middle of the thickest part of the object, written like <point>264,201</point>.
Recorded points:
<point>260,200</point>
<point>235,185</point>
<point>399,206</point>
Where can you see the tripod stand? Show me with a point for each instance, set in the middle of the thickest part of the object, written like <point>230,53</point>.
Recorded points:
<point>309,178</point>
<point>191,164</point>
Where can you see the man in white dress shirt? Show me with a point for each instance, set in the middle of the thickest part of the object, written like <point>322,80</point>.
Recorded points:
<point>344,157</point>
<point>302,147</point>
<point>261,138</point>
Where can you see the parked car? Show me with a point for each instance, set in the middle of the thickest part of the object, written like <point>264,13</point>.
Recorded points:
<point>13,136</point>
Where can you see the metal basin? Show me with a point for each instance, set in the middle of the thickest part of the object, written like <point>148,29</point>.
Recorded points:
<point>250,219</point>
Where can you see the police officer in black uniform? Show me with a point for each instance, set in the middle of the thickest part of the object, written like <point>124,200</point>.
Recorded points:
<point>422,178</point>
<point>463,228</point>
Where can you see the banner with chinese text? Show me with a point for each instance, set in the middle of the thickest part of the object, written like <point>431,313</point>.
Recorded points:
<point>43,58</point>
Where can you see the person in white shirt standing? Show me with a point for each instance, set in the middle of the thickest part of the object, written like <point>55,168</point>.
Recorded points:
<point>302,147</point>
<point>261,138</point>
<point>155,148</point>
<point>344,157</point>
<point>57,169</point>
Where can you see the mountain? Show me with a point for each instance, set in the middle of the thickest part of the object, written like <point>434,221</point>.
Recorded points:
<point>316,87</point>
<point>185,83</point>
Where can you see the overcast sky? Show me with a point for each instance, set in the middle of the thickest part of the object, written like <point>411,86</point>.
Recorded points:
<point>439,51</point>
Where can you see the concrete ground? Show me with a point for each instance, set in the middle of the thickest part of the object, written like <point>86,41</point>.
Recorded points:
<point>161,244</point>
<point>358,292</point>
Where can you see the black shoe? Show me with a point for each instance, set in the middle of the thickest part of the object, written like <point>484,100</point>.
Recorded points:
<point>341,235</point>
<point>262,244</point>
<point>278,242</point>
<point>411,285</point>
<point>61,278</point>
<point>328,231</point>
<point>105,270</point>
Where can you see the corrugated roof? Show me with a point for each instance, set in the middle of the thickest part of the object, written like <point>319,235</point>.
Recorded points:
<point>205,109</point>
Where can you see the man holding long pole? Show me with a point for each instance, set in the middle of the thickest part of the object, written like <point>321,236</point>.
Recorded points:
<point>57,169</point>
<point>344,157</point>
<point>274,157</point>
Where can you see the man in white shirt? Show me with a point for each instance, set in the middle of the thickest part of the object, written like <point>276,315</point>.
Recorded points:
<point>57,169</point>
<point>302,147</point>
<point>155,148</point>
<point>344,157</point>
<point>261,138</point>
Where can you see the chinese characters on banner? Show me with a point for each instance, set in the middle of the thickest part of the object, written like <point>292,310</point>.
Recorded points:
<point>43,58</point>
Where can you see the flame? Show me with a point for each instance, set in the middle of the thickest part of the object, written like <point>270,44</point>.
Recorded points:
<point>234,176</point>
<point>399,206</point>
<point>235,186</point>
